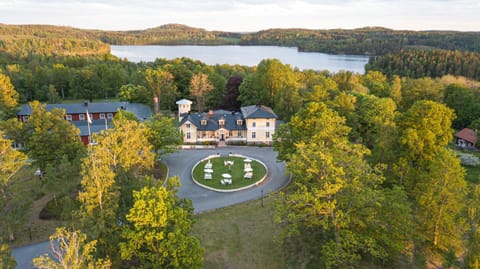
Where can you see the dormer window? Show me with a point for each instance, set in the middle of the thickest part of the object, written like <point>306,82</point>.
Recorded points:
<point>221,122</point>
<point>203,122</point>
<point>239,122</point>
<point>68,117</point>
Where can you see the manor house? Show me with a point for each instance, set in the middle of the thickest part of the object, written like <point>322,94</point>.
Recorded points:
<point>254,124</point>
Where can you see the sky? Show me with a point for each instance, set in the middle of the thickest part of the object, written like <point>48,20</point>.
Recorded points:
<point>246,15</point>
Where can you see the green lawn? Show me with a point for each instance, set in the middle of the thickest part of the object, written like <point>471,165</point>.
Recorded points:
<point>236,170</point>
<point>240,236</point>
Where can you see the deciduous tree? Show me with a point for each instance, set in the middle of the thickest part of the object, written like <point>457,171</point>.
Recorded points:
<point>157,233</point>
<point>8,97</point>
<point>70,250</point>
<point>200,86</point>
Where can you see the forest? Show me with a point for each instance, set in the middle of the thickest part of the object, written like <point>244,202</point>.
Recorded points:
<point>376,179</point>
<point>25,39</point>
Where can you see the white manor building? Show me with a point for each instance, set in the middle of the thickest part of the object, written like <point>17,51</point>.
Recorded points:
<point>254,124</point>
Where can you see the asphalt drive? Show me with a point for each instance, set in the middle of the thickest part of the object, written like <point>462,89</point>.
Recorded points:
<point>180,164</point>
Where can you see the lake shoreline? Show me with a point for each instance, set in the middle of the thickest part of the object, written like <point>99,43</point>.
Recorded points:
<point>248,55</point>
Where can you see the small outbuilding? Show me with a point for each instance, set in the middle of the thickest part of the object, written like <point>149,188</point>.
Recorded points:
<point>466,138</point>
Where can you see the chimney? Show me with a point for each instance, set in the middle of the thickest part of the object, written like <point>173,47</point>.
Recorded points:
<point>85,103</point>
<point>210,113</point>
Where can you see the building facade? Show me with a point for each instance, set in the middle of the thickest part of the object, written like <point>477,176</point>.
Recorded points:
<point>99,116</point>
<point>254,124</point>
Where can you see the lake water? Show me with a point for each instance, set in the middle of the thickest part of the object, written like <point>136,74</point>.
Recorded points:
<point>245,55</point>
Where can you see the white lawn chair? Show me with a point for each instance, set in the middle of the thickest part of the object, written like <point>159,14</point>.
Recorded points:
<point>248,175</point>
<point>208,176</point>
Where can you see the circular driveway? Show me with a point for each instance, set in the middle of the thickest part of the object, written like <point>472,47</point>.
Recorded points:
<point>181,164</point>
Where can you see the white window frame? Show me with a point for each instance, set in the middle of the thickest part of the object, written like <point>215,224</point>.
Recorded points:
<point>81,116</point>
<point>268,124</point>
<point>254,135</point>
<point>254,124</point>
<point>239,122</point>
<point>189,136</point>
<point>267,134</point>
<point>109,116</point>
<point>25,118</point>
<point>203,122</point>
<point>187,125</point>
<point>68,117</point>
<point>102,116</point>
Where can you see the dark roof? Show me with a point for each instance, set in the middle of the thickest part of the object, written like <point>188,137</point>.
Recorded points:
<point>95,127</point>
<point>257,112</point>
<point>467,135</point>
<point>212,120</point>
<point>140,110</point>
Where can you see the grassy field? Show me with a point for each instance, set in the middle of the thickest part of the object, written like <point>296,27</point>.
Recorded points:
<point>240,236</point>
<point>236,171</point>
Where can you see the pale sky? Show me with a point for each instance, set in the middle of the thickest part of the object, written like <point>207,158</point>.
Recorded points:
<point>246,15</point>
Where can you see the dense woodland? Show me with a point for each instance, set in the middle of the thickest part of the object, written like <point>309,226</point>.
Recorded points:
<point>418,63</point>
<point>376,181</point>
<point>26,39</point>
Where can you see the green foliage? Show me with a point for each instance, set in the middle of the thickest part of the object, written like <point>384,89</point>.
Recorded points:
<point>200,87</point>
<point>135,94</point>
<point>50,137</point>
<point>465,102</point>
<point>70,250</point>
<point>12,208</point>
<point>8,98</point>
<point>440,195</point>
<point>164,134</point>
<point>425,129</point>
<point>7,261</point>
<point>418,63</point>
<point>338,203</point>
<point>164,91</point>
<point>157,235</point>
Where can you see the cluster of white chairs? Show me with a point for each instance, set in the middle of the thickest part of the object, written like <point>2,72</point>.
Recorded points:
<point>247,169</point>
<point>208,170</point>
<point>224,181</point>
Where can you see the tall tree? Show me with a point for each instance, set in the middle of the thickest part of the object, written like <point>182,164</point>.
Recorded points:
<point>440,196</point>
<point>8,98</point>
<point>71,251</point>
<point>164,91</point>
<point>230,99</point>
<point>200,86</point>
<point>164,134</point>
<point>337,202</point>
<point>10,163</point>
<point>157,234</point>
<point>50,136</point>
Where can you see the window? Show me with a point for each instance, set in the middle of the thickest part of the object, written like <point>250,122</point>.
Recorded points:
<point>188,135</point>
<point>110,116</point>
<point>203,122</point>
<point>25,118</point>
<point>254,124</point>
<point>239,122</point>
<point>102,116</point>
<point>68,117</point>
<point>254,135</point>
<point>268,124</point>
<point>267,134</point>
<point>221,122</point>
<point>187,125</point>
<point>81,116</point>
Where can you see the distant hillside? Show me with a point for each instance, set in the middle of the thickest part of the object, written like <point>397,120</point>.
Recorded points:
<point>20,41</point>
<point>44,39</point>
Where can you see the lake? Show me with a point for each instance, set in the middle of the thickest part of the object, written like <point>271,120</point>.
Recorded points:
<point>245,55</point>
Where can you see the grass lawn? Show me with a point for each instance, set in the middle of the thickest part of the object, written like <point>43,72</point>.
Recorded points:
<point>236,170</point>
<point>240,236</point>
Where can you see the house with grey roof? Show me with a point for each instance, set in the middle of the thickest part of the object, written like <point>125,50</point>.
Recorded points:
<point>99,116</point>
<point>254,124</point>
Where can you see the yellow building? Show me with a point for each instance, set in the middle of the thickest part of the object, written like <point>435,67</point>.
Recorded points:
<point>254,124</point>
